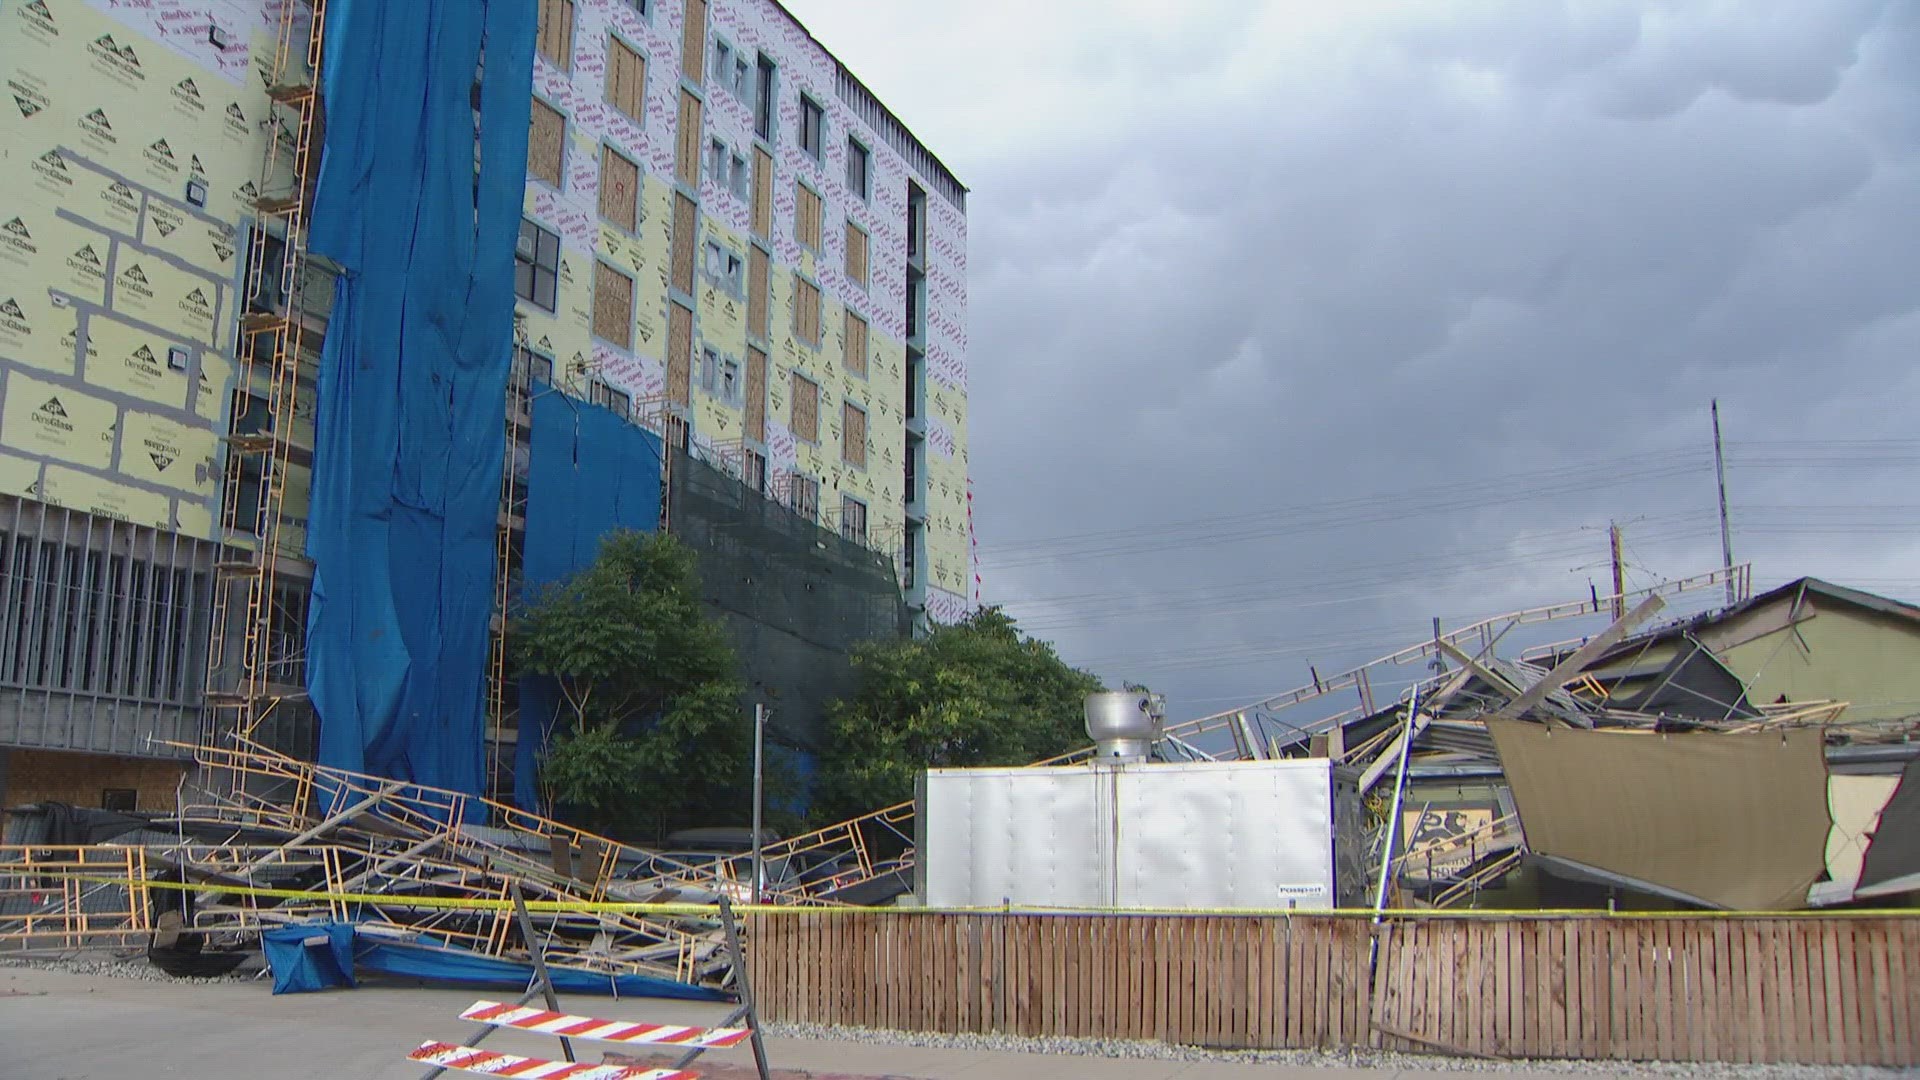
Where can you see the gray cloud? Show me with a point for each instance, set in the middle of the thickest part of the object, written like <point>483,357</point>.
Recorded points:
<point>1292,327</point>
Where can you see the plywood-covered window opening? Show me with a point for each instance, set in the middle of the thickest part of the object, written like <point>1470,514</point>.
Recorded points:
<point>686,224</point>
<point>626,79</point>
<point>612,305</point>
<point>756,399</point>
<point>693,41</point>
<point>758,272</point>
<point>806,311</point>
<point>805,420</point>
<point>547,143</point>
<point>853,435</point>
<point>556,32</point>
<point>619,189</point>
<point>686,149</point>
<point>806,215</point>
<point>854,355</point>
<point>679,354</point>
<point>762,194</point>
<point>857,254</point>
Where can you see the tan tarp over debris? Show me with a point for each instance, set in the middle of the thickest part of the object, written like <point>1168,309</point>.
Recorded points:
<point>1737,821</point>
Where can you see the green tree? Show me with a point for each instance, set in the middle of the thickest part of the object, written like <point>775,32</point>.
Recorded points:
<point>649,712</point>
<point>978,692</point>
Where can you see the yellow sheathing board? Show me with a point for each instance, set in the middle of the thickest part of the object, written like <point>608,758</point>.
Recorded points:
<point>194,519</point>
<point>133,361</point>
<point>57,421</point>
<point>38,246</point>
<point>19,476</point>
<point>152,290</point>
<point>34,330</point>
<point>212,386</point>
<point>210,246</point>
<point>168,453</point>
<point>95,495</point>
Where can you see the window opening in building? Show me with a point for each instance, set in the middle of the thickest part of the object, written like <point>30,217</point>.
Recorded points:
<point>619,401</point>
<point>763,98</point>
<point>813,127</point>
<point>804,496</point>
<point>754,471</point>
<point>853,519</point>
<point>737,178</point>
<point>857,162</point>
<point>536,265</point>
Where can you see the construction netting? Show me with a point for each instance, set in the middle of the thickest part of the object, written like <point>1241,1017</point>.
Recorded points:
<point>795,597</point>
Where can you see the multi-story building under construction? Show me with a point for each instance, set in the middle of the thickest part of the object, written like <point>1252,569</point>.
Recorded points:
<point>722,238</point>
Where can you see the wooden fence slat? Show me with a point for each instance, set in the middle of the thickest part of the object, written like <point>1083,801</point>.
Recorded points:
<point>1831,990</point>
<point>1902,988</point>
<point>1875,1007</point>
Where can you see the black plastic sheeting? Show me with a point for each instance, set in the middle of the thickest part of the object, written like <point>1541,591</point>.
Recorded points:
<point>795,598</point>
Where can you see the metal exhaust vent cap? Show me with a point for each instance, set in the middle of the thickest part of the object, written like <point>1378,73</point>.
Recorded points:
<point>1124,724</point>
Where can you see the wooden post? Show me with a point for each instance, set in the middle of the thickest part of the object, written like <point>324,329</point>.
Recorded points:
<point>1619,572</point>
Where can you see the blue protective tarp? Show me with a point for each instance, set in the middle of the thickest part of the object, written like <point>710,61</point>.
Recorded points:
<point>300,968</point>
<point>408,438</point>
<point>589,473</point>
<point>457,966</point>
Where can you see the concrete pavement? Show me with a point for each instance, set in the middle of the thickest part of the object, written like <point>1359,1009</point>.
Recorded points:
<point>61,1026</point>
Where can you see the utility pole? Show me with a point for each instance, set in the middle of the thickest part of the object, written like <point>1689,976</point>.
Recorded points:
<point>1720,478</point>
<point>759,775</point>
<point>1619,572</point>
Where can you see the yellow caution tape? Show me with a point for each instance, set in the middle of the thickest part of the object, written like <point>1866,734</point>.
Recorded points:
<point>609,907</point>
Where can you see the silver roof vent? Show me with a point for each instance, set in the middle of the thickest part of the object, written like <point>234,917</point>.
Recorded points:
<point>1124,724</point>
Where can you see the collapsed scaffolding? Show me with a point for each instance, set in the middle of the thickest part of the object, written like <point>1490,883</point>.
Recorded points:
<point>268,839</point>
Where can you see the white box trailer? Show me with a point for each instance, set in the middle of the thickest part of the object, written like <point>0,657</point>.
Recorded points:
<point>1242,835</point>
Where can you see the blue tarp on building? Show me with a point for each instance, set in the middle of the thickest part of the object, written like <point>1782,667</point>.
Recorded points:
<point>591,472</point>
<point>409,441</point>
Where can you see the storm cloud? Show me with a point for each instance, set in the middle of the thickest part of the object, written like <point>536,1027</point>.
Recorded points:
<point>1296,324</point>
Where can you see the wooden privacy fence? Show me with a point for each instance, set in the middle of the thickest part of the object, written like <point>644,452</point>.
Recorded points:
<point>1831,990</point>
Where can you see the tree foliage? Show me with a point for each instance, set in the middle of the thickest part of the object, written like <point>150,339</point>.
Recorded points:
<point>650,708</point>
<point>975,693</point>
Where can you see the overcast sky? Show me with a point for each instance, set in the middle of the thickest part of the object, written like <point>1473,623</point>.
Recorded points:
<point>1297,324</point>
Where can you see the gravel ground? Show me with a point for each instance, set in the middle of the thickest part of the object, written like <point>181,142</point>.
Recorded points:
<point>1357,1059</point>
<point>130,965</point>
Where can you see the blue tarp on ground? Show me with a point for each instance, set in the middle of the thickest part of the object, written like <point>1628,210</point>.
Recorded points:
<point>457,966</point>
<point>300,968</point>
<point>408,444</point>
<point>590,472</point>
